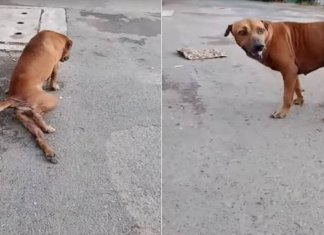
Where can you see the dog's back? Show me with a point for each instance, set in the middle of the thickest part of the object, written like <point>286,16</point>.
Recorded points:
<point>306,40</point>
<point>36,62</point>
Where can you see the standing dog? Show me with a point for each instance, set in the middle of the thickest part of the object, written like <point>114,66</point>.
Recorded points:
<point>288,47</point>
<point>37,63</point>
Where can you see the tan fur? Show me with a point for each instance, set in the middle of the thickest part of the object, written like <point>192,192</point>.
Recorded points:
<point>290,48</point>
<point>37,63</point>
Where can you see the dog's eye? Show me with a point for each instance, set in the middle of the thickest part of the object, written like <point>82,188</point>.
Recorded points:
<point>260,30</point>
<point>242,32</point>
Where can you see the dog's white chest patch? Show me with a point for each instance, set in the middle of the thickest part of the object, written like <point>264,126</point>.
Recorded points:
<point>19,24</point>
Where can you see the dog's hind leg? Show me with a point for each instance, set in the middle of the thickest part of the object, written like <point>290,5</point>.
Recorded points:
<point>44,103</point>
<point>39,121</point>
<point>47,102</point>
<point>298,90</point>
<point>39,135</point>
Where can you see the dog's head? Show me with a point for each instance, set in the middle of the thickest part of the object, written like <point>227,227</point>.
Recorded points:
<point>66,50</point>
<point>251,35</point>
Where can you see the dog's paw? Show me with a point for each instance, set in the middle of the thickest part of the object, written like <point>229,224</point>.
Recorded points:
<point>279,114</point>
<point>55,87</point>
<point>51,157</point>
<point>299,101</point>
<point>50,129</point>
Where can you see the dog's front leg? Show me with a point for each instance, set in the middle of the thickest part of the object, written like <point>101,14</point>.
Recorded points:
<point>53,81</point>
<point>290,80</point>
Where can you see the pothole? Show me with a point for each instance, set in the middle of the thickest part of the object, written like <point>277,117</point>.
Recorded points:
<point>19,24</point>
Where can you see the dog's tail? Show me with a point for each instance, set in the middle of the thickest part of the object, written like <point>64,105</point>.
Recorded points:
<point>5,104</point>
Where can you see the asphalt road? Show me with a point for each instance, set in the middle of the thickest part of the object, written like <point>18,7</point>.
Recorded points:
<point>227,167</point>
<point>107,130</point>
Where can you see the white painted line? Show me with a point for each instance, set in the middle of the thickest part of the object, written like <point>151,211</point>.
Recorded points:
<point>54,19</point>
<point>167,13</point>
<point>11,47</point>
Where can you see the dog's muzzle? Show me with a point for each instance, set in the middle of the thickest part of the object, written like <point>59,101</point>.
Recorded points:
<point>258,47</point>
<point>257,52</point>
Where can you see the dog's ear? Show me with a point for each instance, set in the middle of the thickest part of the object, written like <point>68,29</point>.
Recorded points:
<point>266,24</point>
<point>69,44</point>
<point>228,30</point>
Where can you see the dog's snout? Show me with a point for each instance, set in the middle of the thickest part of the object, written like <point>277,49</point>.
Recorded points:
<point>258,47</point>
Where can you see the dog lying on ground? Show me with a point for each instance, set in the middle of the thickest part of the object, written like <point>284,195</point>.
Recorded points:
<point>288,47</point>
<point>37,63</point>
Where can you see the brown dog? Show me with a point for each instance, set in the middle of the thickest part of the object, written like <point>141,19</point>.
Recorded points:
<point>288,47</point>
<point>37,63</point>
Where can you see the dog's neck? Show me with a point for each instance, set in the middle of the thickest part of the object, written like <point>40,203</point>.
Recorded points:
<point>269,36</point>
